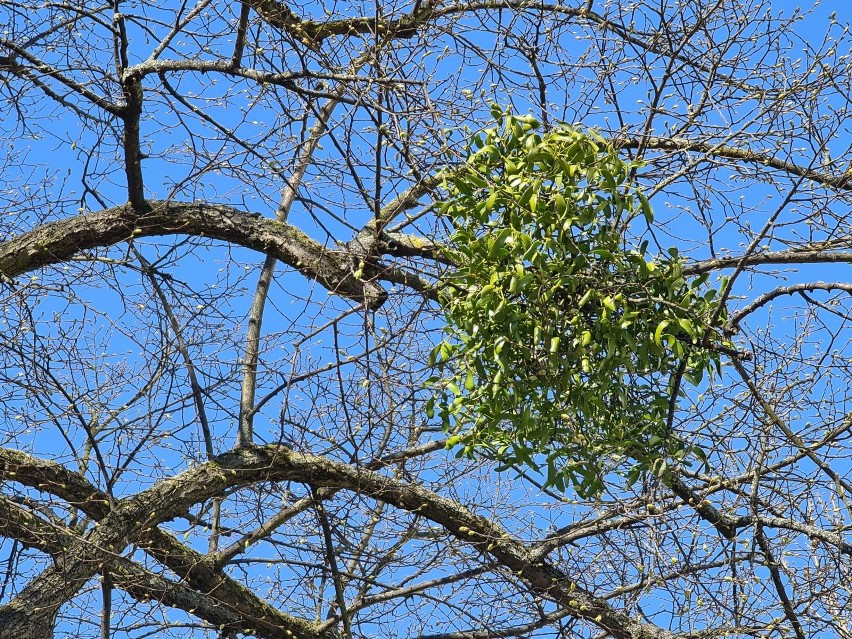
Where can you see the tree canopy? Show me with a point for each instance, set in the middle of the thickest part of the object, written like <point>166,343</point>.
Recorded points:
<point>425,319</point>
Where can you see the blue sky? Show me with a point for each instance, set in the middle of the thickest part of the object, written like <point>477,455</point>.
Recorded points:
<point>111,316</point>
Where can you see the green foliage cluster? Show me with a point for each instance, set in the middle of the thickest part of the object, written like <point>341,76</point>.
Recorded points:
<point>565,344</point>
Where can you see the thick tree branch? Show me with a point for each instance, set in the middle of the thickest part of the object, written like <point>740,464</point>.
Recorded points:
<point>135,517</point>
<point>56,242</point>
<point>31,614</point>
<point>18,523</point>
<point>726,524</point>
<point>278,463</point>
<point>312,33</point>
<point>229,603</point>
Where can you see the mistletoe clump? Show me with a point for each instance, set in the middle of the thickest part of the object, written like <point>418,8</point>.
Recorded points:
<point>566,344</point>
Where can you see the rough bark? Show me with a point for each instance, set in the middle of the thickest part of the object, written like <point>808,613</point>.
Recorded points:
<point>204,590</point>
<point>137,516</point>
<point>56,242</point>
<point>206,603</point>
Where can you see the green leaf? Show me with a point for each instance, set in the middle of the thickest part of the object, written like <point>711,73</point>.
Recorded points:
<point>688,327</point>
<point>646,208</point>
<point>430,408</point>
<point>554,344</point>
<point>659,332</point>
<point>469,382</point>
<point>557,317</point>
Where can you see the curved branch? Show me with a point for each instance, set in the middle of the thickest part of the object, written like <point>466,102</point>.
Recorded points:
<point>841,182</point>
<point>279,463</point>
<point>56,242</point>
<point>312,33</point>
<point>138,582</point>
<point>199,573</point>
<point>31,614</point>
<point>804,287</point>
<point>136,516</point>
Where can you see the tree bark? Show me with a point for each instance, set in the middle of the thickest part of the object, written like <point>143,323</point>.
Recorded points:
<point>135,517</point>
<point>57,242</point>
